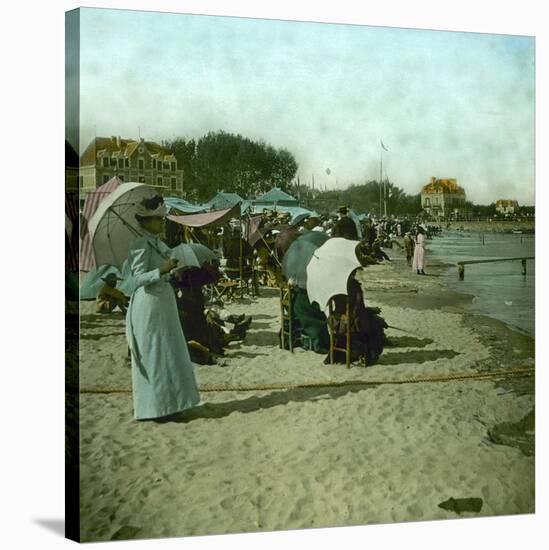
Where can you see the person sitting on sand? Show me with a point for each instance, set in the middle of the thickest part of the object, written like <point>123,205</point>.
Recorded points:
<point>205,332</point>
<point>109,297</point>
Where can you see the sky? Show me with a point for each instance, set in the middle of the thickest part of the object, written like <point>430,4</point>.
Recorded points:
<point>445,104</point>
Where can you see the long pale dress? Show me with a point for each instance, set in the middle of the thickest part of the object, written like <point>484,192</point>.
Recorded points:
<point>162,372</point>
<point>419,253</point>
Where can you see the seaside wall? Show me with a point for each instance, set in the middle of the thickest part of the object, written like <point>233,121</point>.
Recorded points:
<point>499,226</point>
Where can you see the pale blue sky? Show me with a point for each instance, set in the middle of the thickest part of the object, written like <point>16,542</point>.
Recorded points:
<point>446,104</point>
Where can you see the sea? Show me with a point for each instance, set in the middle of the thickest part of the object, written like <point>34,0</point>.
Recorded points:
<point>500,289</point>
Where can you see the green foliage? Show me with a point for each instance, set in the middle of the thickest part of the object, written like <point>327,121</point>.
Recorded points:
<point>367,198</point>
<point>220,161</point>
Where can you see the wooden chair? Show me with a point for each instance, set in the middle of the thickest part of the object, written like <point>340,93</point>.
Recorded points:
<point>249,279</point>
<point>332,318</point>
<point>286,323</point>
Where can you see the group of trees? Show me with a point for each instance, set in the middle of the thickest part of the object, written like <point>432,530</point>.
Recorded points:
<point>367,197</point>
<point>220,161</point>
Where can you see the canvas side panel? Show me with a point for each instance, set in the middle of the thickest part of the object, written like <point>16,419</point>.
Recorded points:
<point>72,155</point>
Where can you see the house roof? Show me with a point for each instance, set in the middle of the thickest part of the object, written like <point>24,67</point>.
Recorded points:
<point>276,195</point>
<point>506,202</point>
<point>112,146</point>
<point>443,186</point>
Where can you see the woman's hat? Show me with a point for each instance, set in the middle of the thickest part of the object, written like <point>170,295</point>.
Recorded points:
<point>153,207</point>
<point>111,277</point>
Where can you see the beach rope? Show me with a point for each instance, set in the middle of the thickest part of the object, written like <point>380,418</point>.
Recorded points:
<point>502,373</point>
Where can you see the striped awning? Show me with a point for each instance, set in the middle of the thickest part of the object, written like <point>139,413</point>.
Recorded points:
<point>87,259</point>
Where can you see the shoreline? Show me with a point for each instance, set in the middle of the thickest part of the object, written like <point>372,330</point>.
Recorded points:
<point>381,444</point>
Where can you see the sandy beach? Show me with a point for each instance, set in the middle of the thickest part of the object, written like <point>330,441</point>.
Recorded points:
<point>284,441</point>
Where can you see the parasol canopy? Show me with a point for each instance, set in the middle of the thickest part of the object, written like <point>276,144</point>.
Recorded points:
<point>113,227</point>
<point>329,269</point>
<point>298,255</point>
<point>198,265</point>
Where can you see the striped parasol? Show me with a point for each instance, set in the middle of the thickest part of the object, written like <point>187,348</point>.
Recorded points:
<point>87,258</point>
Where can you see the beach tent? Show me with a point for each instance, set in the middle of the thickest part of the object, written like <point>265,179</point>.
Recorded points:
<point>182,206</point>
<point>295,211</point>
<point>275,197</point>
<point>208,219</point>
<point>93,199</point>
<point>222,201</point>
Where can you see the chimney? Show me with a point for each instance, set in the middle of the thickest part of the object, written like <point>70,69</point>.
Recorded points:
<point>118,141</point>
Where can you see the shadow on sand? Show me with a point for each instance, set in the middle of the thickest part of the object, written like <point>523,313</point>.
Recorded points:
<point>401,357</point>
<point>257,403</point>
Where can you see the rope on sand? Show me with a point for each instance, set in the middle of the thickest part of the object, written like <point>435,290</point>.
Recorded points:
<point>502,373</point>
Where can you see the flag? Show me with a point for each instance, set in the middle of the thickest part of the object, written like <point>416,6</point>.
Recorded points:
<point>383,145</point>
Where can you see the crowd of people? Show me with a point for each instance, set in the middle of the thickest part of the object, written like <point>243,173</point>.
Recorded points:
<point>173,323</point>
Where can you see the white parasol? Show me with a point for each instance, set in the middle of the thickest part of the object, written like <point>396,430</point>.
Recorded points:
<point>329,269</point>
<point>113,226</point>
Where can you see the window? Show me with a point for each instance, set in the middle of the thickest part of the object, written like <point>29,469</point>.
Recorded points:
<point>105,178</point>
<point>174,184</point>
<point>105,162</point>
<point>113,162</point>
<point>173,166</point>
<point>159,180</point>
<point>154,163</point>
<point>159,165</point>
<point>141,164</point>
<point>141,179</point>
<point>127,163</point>
<point>120,163</point>
<point>81,181</point>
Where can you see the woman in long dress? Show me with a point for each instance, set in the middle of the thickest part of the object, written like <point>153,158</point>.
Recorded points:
<point>162,372</point>
<point>418,262</point>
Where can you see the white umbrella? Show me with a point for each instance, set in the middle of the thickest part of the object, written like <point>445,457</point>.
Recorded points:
<point>329,268</point>
<point>113,226</point>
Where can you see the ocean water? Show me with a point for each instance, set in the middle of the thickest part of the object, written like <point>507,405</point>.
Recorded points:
<point>500,289</point>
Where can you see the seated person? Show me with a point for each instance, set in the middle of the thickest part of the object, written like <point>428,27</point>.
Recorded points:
<point>109,297</point>
<point>310,319</point>
<point>367,327</point>
<point>206,335</point>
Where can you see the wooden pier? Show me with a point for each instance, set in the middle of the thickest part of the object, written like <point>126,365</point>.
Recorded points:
<point>461,265</point>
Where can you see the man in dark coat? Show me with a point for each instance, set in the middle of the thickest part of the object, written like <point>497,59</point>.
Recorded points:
<point>345,227</point>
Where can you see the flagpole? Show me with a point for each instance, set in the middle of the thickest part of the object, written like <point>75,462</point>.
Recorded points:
<point>380,180</point>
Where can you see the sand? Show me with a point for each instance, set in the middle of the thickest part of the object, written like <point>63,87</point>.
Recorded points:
<point>291,458</point>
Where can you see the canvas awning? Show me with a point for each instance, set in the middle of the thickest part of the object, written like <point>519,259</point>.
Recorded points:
<point>216,217</point>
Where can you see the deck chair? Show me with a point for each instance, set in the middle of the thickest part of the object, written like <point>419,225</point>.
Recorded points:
<point>249,278</point>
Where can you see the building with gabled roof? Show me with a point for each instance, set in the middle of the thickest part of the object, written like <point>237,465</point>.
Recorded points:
<point>129,160</point>
<point>507,206</point>
<point>443,198</point>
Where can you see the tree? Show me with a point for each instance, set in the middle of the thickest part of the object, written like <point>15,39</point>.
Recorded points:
<point>220,161</point>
